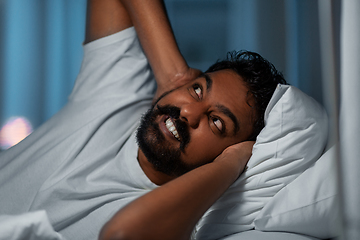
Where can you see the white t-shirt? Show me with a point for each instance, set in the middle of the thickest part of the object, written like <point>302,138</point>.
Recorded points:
<point>81,166</point>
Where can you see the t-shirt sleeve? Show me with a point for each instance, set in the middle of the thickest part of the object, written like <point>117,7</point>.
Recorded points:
<point>113,66</point>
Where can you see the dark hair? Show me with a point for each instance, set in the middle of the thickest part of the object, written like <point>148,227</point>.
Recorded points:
<point>260,76</point>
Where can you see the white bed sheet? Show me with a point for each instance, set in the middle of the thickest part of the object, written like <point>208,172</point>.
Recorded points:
<point>27,226</point>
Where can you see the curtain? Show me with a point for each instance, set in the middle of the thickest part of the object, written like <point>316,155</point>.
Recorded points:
<point>350,117</point>
<point>340,49</point>
<point>40,56</point>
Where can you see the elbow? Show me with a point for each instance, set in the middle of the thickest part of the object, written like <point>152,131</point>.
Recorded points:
<point>109,232</point>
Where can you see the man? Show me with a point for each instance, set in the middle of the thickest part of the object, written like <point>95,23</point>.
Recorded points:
<point>83,165</point>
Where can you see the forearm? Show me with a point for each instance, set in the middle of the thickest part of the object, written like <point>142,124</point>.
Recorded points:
<point>157,39</point>
<point>172,210</point>
<point>106,17</point>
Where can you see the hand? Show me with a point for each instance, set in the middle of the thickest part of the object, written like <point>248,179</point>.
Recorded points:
<point>236,156</point>
<point>178,80</point>
<point>183,78</point>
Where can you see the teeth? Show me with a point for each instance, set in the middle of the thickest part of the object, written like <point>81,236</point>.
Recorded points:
<point>170,126</point>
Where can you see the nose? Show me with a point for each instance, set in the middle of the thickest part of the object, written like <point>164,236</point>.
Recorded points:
<point>192,113</point>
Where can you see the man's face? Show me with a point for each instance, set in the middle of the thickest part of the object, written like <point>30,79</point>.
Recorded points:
<point>191,125</point>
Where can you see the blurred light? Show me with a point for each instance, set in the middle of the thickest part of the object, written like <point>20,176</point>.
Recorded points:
<point>15,130</point>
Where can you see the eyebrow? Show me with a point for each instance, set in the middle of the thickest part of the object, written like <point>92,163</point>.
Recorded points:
<point>221,107</point>
<point>228,113</point>
<point>209,81</point>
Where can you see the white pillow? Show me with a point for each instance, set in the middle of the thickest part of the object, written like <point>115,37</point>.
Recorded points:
<point>293,138</point>
<point>308,205</point>
<point>258,235</point>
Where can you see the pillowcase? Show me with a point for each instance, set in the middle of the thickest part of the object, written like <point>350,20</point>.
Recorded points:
<point>258,235</point>
<point>308,205</point>
<point>293,138</point>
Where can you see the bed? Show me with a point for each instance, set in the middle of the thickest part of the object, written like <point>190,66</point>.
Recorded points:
<point>288,190</point>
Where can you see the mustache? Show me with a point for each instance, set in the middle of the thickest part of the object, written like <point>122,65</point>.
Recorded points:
<point>181,126</point>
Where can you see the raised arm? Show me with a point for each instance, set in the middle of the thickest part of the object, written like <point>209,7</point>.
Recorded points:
<point>149,18</point>
<point>172,210</point>
<point>105,17</point>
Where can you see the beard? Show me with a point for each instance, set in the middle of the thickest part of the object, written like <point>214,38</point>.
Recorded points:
<point>164,156</point>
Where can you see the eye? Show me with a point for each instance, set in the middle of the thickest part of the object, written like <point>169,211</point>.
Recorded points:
<point>218,124</point>
<point>198,90</point>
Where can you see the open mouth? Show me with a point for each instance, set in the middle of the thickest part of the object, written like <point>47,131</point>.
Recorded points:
<point>172,129</point>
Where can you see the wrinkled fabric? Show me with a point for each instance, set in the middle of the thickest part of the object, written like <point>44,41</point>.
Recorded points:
<point>81,166</point>
<point>27,226</point>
